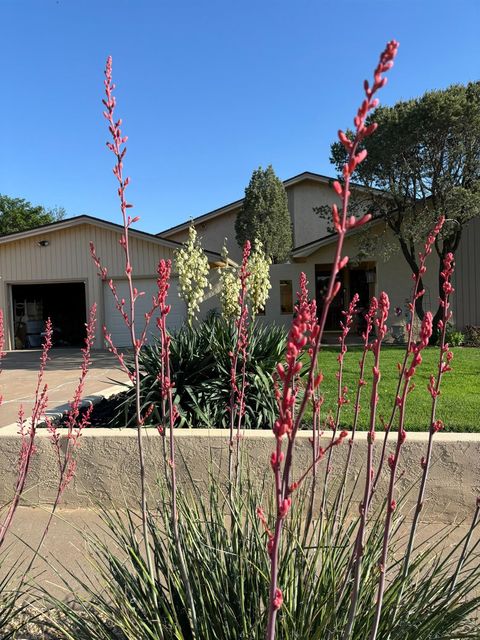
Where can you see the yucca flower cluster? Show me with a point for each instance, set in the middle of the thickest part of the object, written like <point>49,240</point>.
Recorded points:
<point>192,266</point>
<point>258,282</point>
<point>230,288</point>
<point>258,278</point>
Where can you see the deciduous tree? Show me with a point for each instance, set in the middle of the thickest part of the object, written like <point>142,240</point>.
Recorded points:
<point>426,155</point>
<point>17,214</point>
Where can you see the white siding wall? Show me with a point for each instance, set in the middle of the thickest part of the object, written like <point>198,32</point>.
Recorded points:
<point>114,321</point>
<point>393,277</point>
<point>67,258</point>
<point>303,197</point>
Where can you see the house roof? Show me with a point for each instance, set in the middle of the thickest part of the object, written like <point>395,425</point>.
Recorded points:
<point>233,206</point>
<point>213,256</point>
<point>307,249</point>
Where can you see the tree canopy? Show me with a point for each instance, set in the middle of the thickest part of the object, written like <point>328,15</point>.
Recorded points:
<point>17,214</point>
<point>426,155</point>
<point>265,215</point>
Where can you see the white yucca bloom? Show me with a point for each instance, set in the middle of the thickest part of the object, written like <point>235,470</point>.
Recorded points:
<point>258,281</point>
<point>230,288</point>
<point>192,267</point>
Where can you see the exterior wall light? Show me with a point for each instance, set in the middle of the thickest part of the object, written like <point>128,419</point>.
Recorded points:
<point>43,243</point>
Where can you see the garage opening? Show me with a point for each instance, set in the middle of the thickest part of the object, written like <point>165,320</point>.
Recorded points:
<point>64,303</point>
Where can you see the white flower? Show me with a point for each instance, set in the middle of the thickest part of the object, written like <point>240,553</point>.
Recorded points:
<point>230,288</point>
<point>258,281</point>
<point>192,266</point>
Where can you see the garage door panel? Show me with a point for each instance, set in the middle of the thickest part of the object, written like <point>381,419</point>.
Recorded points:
<point>115,323</point>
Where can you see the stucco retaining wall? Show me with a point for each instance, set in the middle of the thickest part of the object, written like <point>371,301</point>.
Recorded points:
<point>108,470</point>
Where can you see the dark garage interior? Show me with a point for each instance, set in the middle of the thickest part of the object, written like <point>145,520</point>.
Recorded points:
<point>64,303</point>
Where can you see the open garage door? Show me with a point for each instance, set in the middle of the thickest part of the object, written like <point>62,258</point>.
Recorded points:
<point>63,302</point>
<point>114,321</point>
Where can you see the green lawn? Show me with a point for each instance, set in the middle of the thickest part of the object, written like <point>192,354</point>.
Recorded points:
<point>458,404</point>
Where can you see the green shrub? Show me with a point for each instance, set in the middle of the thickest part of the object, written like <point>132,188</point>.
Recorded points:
<point>201,369</point>
<point>454,338</point>
<point>472,336</point>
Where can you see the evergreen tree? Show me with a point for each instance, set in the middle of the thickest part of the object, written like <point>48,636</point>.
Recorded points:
<point>265,215</point>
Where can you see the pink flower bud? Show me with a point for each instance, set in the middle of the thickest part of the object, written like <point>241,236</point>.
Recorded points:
<point>280,371</point>
<point>337,187</point>
<point>285,507</point>
<point>278,600</point>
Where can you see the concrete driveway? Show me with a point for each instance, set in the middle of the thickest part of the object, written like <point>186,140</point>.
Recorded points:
<point>19,378</point>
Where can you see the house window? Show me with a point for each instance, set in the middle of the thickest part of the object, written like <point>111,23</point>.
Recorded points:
<point>286,296</point>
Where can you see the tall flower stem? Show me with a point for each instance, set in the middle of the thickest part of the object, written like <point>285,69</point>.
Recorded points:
<point>127,308</point>
<point>75,424</point>
<point>382,306</point>
<point>445,357</point>
<point>369,318</point>
<point>342,390</point>
<point>416,294</point>
<point>28,433</point>
<point>285,425</point>
<point>393,461</point>
<point>166,383</point>
<point>237,391</point>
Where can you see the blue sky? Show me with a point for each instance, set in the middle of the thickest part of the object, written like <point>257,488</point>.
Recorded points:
<point>208,90</point>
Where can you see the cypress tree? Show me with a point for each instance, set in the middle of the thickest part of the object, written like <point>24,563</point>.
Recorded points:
<point>265,215</point>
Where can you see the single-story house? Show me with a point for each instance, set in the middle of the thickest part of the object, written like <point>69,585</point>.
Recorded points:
<point>313,250</point>
<point>48,272</point>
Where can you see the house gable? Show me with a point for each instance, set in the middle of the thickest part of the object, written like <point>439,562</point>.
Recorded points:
<point>304,191</point>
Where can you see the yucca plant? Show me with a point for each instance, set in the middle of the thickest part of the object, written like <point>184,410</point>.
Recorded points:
<point>201,370</point>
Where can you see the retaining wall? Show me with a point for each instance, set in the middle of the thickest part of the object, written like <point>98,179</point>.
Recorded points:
<point>108,469</point>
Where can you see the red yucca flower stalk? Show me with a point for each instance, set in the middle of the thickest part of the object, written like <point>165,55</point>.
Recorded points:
<point>367,346</point>
<point>381,307</point>
<point>237,390</point>
<point>372,478</point>
<point>444,360</point>
<point>417,293</point>
<point>28,431</point>
<point>342,390</point>
<point>393,459</point>
<point>126,308</point>
<point>286,425</point>
<point>166,386</point>
<point>75,424</point>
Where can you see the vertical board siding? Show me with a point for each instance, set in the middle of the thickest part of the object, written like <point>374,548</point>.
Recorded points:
<point>67,257</point>
<point>467,277</point>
